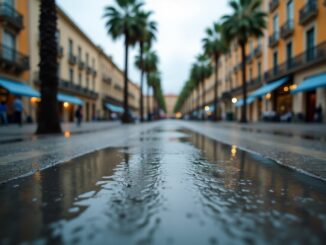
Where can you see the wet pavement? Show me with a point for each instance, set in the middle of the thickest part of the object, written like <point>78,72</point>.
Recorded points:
<point>164,185</point>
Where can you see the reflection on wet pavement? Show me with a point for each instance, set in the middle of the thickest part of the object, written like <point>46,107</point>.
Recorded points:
<point>170,186</point>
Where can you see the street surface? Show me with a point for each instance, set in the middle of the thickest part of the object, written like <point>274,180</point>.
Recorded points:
<point>169,182</point>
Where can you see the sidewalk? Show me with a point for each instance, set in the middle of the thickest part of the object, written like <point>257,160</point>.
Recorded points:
<point>14,133</point>
<point>312,131</point>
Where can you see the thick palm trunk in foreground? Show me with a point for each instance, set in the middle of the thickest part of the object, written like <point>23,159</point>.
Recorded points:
<point>48,118</point>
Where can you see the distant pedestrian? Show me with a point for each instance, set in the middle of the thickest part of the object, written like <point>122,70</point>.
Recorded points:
<point>319,114</point>
<point>3,113</point>
<point>79,116</point>
<point>18,110</point>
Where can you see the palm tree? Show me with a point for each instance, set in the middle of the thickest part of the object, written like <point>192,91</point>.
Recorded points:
<point>247,20</point>
<point>123,21</point>
<point>203,70</point>
<point>154,81</point>
<point>195,77</point>
<point>150,63</point>
<point>48,118</point>
<point>214,46</point>
<point>145,36</point>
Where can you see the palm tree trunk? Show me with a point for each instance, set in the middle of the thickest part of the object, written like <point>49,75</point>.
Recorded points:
<point>148,102</point>
<point>141,82</point>
<point>48,118</point>
<point>204,100</point>
<point>198,95</point>
<point>244,84</point>
<point>216,89</point>
<point>125,117</point>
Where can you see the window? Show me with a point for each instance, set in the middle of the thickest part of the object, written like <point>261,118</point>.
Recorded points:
<point>87,58</point>
<point>71,75</point>
<point>93,85</point>
<point>9,43</point>
<point>289,55</point>
<point>57,37</point>
<point>87,81</point>
<point>275,62</point>
<point>276,26</point>
<point>251,47</point>
<point>79,53</point>
<point>310,43</point>
<point>80,79</point>
<point>289,10</point>
<point>71,47</point>
<point>259,71</point>
<point>250,74</point>
<point>93,63</point>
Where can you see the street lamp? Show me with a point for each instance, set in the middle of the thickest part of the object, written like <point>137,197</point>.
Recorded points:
<point>65,105</point>
<point>234,100</point>
<point>207,108</point>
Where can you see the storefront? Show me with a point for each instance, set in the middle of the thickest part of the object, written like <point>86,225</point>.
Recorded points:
<point>10,90</point>
<point>312,91</point>
<point>114,111</point>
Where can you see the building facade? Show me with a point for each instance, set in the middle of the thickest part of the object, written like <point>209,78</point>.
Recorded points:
<point>88,76</point>
<point>286,68</point>
<point>14,53</point>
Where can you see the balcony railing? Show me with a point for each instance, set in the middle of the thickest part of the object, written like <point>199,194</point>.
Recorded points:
<point>250,57</point>
<point>11,60</point>
<point>274,39</point>
<point>287,29</point>
<point>273,4</point>
<point>311,57</point>
<point>72,59</point>
<point>10,16</point>
<point>308,12</point>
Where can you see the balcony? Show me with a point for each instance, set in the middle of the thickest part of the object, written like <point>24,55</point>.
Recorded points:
<point>305,60</point>
<point>274,39</point>
<point>72,59</point>
<point>308,12</point>
<point>258,51</point>
<point>287,29</point>
<point>81,64</point>
<point>10,17</point>
<point>13,61</point>
<point>273,4</point>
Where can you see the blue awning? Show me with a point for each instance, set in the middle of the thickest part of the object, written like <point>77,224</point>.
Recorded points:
<point>114,108</point>
<point>269,87</point>
<point>240,103</point>
<point>18,88</point>
<point>70,99</point>
<point>311,83</point>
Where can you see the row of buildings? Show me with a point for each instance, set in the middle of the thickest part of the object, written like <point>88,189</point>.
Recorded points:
<point>88,76</point>
<point>286,68</point>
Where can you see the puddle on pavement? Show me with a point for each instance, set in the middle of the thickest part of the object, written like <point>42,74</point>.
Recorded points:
<point>170,186</point>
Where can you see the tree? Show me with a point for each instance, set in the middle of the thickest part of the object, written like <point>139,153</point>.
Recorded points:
<point>202,70</point>
<point>48,118</point>
<point>123,21</point>
<point>247,20</point>
<point>150,64</point>
<point>214,46</point>
<point>145,36</point>
<point>154,81</point>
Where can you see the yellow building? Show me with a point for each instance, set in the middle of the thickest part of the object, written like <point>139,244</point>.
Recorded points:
<point>88,77</point>
<point>286,68</point>
<point>14,60</point>
<point>170,101</point>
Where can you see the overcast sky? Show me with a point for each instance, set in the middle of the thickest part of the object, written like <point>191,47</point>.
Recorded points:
<point>181,26</point>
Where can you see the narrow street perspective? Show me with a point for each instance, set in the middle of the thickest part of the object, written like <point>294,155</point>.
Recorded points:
<point>150,122</point>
